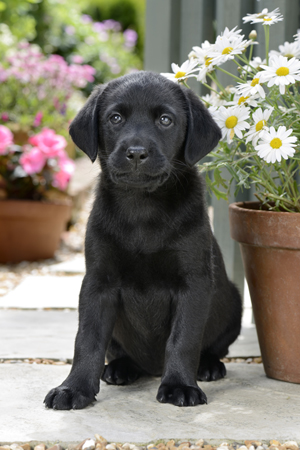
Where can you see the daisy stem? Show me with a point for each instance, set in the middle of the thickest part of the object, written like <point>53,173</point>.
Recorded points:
<point>267,40</point>
<point>185,84</point>
<point>244,60</point>
<point>215,79</point>
<point>251,52</point>
<point>289,178</point>
<point>228,73</point>
<point>209,87</point>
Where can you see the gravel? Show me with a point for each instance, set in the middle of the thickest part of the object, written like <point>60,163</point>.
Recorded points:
<point>100,443</point>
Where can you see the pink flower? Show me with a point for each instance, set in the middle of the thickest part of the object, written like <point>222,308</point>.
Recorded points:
<point>77,59</point>
<point>6,139</point>
<point>5,117</point>
<point>38,119</point>
<point>61,179</point>
<point>33,161</point>
<point>49,143</point>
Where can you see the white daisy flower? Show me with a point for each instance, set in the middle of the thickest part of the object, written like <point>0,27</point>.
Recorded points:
<point>213,100</point>
<point>264,17</point>
<point>251,87</point>
<point>297,36</point>
<point>260,119</point>
<point>182,72</point>
<point>225,49</point>
<point>232,121</point>
<point>254,63</point>
<point>246,100</point>
<point>275,145</point>
<point>204,70</point>
<point>288,49</point>
<point>201,53</point>
<point>281,72</point>
<point>231,34</point>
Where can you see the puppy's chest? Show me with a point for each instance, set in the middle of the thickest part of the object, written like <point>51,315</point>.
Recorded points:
<point>143,272</point>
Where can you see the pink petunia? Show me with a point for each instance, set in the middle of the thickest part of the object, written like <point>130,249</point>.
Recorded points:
<point>49,143</point>
<point>33,161</point>
<point>61,179</point>
<point>6,139</point>
<point>38,119</point>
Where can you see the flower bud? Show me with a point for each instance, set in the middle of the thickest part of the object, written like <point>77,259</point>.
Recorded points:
<point>253,35</point>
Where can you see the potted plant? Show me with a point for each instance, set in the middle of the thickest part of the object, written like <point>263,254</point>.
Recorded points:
<point>34,208</point>
<point>259,117</point>
<point>39,96</point>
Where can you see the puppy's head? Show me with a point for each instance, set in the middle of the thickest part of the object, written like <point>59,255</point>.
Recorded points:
<point>141,125</point>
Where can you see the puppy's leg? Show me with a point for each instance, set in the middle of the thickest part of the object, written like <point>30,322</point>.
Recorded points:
<point>179,380</point>
<point>97,314</point>
<point>211,368</point>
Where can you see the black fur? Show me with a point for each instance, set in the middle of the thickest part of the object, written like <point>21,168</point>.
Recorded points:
<point>155,298</point>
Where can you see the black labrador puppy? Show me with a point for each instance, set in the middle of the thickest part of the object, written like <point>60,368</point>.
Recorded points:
<point>155,298</point>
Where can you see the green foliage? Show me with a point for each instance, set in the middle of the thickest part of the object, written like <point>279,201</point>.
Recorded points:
<point>130,13</point>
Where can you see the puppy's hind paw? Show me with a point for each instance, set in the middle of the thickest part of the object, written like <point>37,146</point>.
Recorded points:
<point>121,371</point>
<point>211,369</point>
<point>181,395</point>
<point>65,398</point>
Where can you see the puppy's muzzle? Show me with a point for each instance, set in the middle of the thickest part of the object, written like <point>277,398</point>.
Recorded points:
<point>136,155</point>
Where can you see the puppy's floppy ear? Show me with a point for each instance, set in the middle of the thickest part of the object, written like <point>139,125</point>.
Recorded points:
<point>85,127</point>
<point>203,133</point>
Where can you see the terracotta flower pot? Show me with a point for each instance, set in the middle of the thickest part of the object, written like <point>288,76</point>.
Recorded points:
<point>31,230</point>
<point>270,247</point>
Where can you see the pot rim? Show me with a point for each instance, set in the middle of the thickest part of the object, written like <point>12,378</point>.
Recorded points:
<point>252,207</point>
<point>263,228</point>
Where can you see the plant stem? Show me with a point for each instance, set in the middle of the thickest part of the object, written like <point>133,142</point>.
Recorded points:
<point>267,39</point>
<point>228,73</point>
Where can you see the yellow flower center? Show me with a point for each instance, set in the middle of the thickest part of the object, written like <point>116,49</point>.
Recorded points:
<point>231,121</point>
<point>180,74</point>
<point>267,19</point>
<point>242,100</point>
<point>227,50</point>
<point>255,81</point>
<point>289,55</point>
<point>282,71</point>
<point>208,61</point>
<point>260,125</point>
<point>276,143</point>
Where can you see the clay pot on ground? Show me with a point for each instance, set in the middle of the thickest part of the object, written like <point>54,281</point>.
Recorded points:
<point>31,230</point>
<point>270,248</point>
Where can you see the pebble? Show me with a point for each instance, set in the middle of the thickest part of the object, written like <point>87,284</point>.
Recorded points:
<point>26,447</point>
<point>89,444</point>
<point>40,447</point>
<point>292,445</point>
<point>56,447</point>
<point>200,443</point>
<point>112,446</point>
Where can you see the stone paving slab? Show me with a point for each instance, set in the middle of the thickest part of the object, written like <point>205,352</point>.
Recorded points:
<point>37,334</point>
<point>38,292</point>
<point>75,265</point>
<point>244,405</point>
<point>51,335</point>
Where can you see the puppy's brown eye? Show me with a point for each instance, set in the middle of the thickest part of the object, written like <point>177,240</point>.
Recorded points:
<point>115,118</point>
<point>165,120</point>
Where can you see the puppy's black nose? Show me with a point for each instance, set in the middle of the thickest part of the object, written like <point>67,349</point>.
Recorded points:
<point>136,155</point>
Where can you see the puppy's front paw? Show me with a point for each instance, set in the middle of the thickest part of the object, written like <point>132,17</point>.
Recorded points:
<point>63,397</point>
<point>181,395</point>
